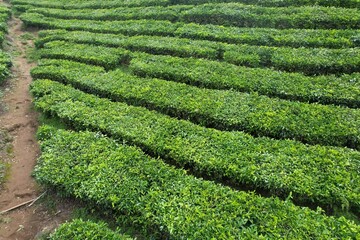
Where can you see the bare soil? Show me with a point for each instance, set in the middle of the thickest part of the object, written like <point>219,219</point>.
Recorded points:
<point>20,122</point>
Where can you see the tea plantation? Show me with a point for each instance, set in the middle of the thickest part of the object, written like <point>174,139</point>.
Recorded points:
<point>201,119</point>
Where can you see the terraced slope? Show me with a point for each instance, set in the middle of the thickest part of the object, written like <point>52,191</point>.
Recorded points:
<point>258,97</point>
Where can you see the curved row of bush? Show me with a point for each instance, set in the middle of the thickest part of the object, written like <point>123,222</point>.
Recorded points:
<point>133,27</point>
<point>329,89</point>
<point>89,230</point>
<point>108,58</point>
<point>226,14</point>
<point>166,200</point>
<point>271,37</point>
<point>226,110</point>
<point>23,5</point>
<point>219,75</point>
<point>279,166</point>
<point>116,3</point>
<point>308,61</point>
<point>170,13</point>
<point>279,3</point>
<point>252,36</point>
<point>150,44</point>
<point>234,14</point>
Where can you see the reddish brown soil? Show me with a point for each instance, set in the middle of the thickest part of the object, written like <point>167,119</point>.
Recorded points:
<point>20,122</point>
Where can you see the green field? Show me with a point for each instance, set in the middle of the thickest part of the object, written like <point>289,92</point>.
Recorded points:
<point>201,119</point>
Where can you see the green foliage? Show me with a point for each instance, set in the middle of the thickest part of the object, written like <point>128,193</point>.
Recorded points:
<point>150,44</point>
<point>5,61</point>
<point>166,200</point>
<point>155,13</point>
<point>342,90</point>
<point>253,36</point>
<point>309,61</point>
<point>3,171</point>
<point>24,5</point>
<point>228,110</point>
<point>96,55</point>
<point>133,27</point>
<point>227,14</point>
<point>239,15</point>
<point>79,229</point>
<point>325,175</point>
<point>72,4</point>
<point>279,3</point>
<point>270,36</point>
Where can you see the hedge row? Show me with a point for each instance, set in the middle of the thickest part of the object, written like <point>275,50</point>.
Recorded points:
<point>227,14</point>
<point>226,110</point>
<point>24,5</point>
<point>134,27</point>
<point>79,229</point>
<point>308,61</point>
<point>3,22</point>
<point>150,44</point>
<point>239,15</point>
<point>5,14</point>
<point>252,36</point>
<point>272,37</point>
<point>330,89</point>
<point>115,3</point>
<point>170,13</point>
<point>5,61</point>
<point>166,200</point>
<point>108,58</point>
<point>279,166</point>
<point>279,3</point>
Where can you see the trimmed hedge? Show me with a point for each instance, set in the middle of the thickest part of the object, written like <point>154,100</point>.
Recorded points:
<point>309,61</point>
<point>252,36</point>
<point>166,200</point>
<point>149,44</point>
<point>342,90</point>
<point>239,15</point>
<point>75,4</point>
<point>79,229</point>
<point>279,166</point>
<point>170,13</point>
<point>129,27</point>
<point>225,110</point>
<point>272,37</point>
<point>280,3</point>
<point>135,3</point>
<point>227,14</point>
<point>106,57</point>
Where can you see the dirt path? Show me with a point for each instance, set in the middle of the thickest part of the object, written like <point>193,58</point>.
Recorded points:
<point>20,121</point>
